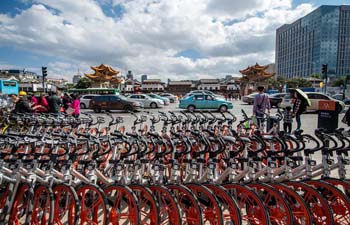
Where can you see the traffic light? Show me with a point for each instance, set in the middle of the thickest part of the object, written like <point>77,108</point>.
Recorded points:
<point>44,71</point>
<point>324,69</point>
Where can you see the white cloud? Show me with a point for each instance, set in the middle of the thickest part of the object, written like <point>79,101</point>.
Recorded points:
<point>230,35</point>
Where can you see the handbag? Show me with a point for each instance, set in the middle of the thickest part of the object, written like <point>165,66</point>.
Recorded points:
<point>69,110</point>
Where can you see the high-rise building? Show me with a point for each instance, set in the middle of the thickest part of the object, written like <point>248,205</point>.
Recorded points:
<point>130,75</point>
<point>76,78</point>
<point>321,37</point>
<point>143,77</point>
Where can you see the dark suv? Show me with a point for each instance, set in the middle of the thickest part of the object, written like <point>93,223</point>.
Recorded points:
<point>113,102</point>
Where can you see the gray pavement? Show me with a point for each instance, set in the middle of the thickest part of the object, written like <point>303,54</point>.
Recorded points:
<point>309,120</point>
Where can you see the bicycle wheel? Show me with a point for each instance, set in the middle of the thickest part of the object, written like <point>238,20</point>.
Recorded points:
<point>66,205</point>
<point>122,205</point>
<point>148,206</point>
<point>343,185</point>
<point>300,210</point>
<point>229,206</point>
<point>5,193</point>
<point>252,208</point>
<point>280,213</point>
<point>43,207</point>
<point>188,204</point>
<point>211,208</point>
<point>169,210</point>
<point>21,202</point>
<point>339,203</point>
<point>318,206</point>
<point>93,205</point>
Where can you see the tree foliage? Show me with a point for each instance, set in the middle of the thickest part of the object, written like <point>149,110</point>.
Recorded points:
<point>339,81</point>
<point>83,83</point>
<point>291,83</point>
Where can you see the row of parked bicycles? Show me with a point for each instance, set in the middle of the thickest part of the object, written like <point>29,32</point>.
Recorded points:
<point>169,168</point>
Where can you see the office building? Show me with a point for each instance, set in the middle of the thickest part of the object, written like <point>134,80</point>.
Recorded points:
<point>321,37</point>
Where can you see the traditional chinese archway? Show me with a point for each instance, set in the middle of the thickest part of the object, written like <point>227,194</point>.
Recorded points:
<point>254,76</point>
<point>104,76</point>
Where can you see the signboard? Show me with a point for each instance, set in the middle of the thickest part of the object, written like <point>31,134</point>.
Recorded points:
<point>327,115</point>
<point>326,105</point>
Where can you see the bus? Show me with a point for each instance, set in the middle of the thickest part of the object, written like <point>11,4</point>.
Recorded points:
<point>98,91</point>
<point>8,87</point>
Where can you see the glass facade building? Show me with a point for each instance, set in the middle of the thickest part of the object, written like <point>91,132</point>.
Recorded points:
<point>321,37</point>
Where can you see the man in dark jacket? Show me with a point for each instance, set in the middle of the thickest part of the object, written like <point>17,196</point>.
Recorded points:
<point>22,105</point>
<point>54,103</point>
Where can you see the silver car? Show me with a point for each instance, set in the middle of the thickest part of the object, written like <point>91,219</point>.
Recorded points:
<point>171,97</point>
<point>147,101</point>
<point>85,100</point>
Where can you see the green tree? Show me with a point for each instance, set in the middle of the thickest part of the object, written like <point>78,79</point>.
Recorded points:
<point>316,75</point>
<point>83,83</point>
<point>339,81</point>
<point>298,82</point>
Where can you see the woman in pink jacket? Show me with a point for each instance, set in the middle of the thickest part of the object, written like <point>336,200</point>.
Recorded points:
<point>75,105</point>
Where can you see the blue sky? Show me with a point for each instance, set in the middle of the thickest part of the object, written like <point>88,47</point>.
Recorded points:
<point>178,39</point>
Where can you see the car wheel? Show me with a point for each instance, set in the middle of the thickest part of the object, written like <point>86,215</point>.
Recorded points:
<point>191,108</point>
<point>82,105</point>
<point>153,105</point>
<point>128,108</point>
<point>223,108</point>
<point>97,110</point>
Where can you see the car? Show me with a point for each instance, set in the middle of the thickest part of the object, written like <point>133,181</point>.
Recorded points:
<point>147,101</point>
<point>315,98</point>
<point>113,102</point>
<point>172,98</point>
<point>204,101</point>
<point>276,99</point>
<point>85,100</point>
<point>249,98</point>
<point>204,92</point>
<point>164,99</point>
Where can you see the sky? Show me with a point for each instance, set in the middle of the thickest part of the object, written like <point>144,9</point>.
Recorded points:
<point>175,39</point>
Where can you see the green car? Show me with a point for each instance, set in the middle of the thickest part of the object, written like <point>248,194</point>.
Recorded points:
<point>203,101</point>
<point>165,100</point>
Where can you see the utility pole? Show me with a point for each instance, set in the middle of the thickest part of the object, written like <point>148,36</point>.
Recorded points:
<point>44,73</point>
<point>325,77</point>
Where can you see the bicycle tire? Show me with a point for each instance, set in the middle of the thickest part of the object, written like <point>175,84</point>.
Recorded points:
<point>337,200</point>
<point>93,205</point>
<point>19,206</point>
<point>188,204</point>
<point>230,209</point>
<point>169,210</point>
<point>343,185</point>
<point>300,210</point>
<point>252,208</point>
<point>67,205</point>
<point>43,206</point>
<point>122,205</point>
<point>280,212</point>
<point>321,212</point>
<point>210,205</point>
<point>148,206</point>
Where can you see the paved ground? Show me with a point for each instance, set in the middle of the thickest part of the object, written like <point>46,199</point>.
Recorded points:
<point>309,120</point>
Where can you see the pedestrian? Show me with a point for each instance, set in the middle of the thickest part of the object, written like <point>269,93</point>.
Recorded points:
<point>261,104</point>
<point>66,101</point>
<point>54,103</point>
<point>287,119</point>
<point>75,105</point>
<point>299,106</point>
<point>34,100</point>
<point>43,101</point>
<point>22,103</point>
